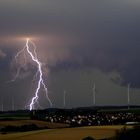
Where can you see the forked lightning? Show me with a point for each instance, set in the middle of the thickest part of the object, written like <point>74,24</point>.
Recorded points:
<point>33,56</point>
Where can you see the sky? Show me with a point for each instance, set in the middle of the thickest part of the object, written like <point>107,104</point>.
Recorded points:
<point>79,42</point>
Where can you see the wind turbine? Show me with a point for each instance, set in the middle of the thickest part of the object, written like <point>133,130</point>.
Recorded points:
<point>64,99</point>
<point>128,95</point>
<point>13,104</point>
<point>94,94</point>
<point>2,104</point>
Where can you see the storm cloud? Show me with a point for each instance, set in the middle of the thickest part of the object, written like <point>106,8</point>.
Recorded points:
<point>75,35</point>
<point>2,54</point>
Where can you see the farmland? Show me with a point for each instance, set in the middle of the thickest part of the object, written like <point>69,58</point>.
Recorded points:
<point>97,132</point>
<point>73,124</point>
<point>39,124</point>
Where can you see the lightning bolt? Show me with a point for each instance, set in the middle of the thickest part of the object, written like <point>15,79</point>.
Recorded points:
<point>34,58</point>
<point>19,69</point>
<point>40,81</point>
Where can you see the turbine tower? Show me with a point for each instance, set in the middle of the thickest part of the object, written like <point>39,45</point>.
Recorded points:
<point>64,99</point>
<point>2,107</point>
<point>94,95</point>
<point>2,104</point>
<point>128,95</point>
<point>13,104</point>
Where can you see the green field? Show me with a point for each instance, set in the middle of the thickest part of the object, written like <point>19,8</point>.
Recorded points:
<point>97,132</point>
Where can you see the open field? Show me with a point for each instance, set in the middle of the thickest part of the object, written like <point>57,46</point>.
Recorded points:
<point>40,124</point>
<point>20,123</point>
<point>97,132</point>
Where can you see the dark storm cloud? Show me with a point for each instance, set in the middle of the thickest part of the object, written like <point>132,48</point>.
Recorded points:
<point>76,34</point>
<point>106,32</point>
